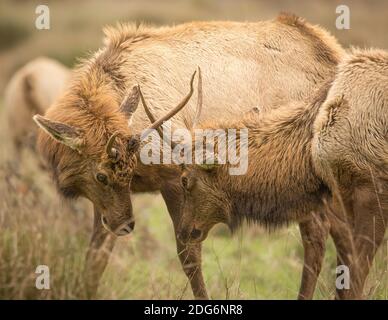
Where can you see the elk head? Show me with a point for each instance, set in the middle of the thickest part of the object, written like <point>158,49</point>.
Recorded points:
<point>205,203</point>
<point>93,152</point>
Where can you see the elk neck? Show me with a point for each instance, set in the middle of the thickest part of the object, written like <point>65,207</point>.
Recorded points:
<point>281,184</point>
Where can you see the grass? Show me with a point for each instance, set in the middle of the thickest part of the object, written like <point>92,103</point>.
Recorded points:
<point>37,228</point>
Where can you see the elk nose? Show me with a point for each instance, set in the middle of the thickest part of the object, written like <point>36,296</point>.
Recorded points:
<point>126,228</point>
<point>131,225</point>
<point>195,234</point>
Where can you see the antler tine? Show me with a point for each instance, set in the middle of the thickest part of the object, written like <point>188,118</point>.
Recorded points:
<point>152,118</point>
<point>157,123</point>
<point>199,100</point>
<point>179,107</point>
<point>148,112</point>
<point>110,143</point>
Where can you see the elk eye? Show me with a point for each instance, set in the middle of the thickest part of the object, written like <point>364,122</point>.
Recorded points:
<point>102,178</point>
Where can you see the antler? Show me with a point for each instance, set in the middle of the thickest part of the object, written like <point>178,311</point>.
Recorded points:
<point>157,123</point>
<point>199,100</point>
<point>171,113</point>
<point>112,152</point>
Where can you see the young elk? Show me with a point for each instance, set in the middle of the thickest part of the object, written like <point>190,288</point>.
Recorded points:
<point>350,150</point>
<point>291,173</point>
<point>280,185</point>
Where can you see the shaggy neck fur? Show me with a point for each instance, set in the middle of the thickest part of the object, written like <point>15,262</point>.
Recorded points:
<point>280,185</point>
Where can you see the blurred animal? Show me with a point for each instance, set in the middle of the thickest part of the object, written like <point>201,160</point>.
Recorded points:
<point>266,63</point>
<point>31,90</point>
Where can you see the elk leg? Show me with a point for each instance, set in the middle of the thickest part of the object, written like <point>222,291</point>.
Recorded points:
<point>314,234</point>
<point>370,226</point>
<point>342,233</point>
<point>100,248</point>
<point>189,256</point>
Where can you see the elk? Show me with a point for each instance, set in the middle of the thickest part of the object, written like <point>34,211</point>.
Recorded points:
<point>32,90</point>
<point>300,158</point>
<point>279,187</point>
<point>266,63</point>
<point>350,152</point>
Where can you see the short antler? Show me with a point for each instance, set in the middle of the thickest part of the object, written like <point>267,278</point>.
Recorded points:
<point>112,152</point>
<point>157,123</point>
<point>199,100</point>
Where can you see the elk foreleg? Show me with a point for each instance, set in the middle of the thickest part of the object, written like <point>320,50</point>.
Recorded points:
<point>97,257</point>
<point>314,234</point>
<point>189,256</point>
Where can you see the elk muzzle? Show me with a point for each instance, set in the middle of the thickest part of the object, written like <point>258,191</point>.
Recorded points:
<point>187,236</point>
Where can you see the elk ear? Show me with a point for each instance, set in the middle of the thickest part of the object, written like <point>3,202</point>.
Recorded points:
<point>188,182</point>
<point>63,133</point>
<point>133,144</point>
<point>130,103</point>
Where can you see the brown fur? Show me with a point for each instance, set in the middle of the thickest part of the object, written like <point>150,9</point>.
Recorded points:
<point>161,61</point>
<point>88,106</point>
<point>280,185</point>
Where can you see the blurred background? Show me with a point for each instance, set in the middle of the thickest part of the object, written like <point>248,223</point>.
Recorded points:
<point>76,25</point>
<point>38,227</point>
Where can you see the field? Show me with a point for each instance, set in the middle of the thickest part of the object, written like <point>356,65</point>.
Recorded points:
<point>37,227</point>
